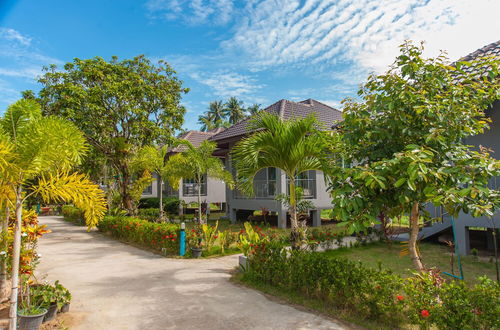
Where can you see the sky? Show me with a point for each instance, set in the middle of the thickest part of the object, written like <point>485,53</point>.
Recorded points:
<point>260,51</point>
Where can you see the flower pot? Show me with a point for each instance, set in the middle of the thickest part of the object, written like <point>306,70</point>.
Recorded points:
<point>196,252</point>
<point>51,313</point>
<point>65,308</point>
<point>30,322</point>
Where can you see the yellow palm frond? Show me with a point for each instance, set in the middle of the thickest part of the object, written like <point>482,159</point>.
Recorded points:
<point>77,189</point>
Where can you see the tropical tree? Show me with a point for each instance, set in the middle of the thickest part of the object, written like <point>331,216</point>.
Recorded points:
<point>253,109</point>
<point>154,159</point>
<point>294,146</point>
<point>216,112</point>
<point>406,141</point>
<point>119,105</point>
<point>196,163</point>
<point>36,157</point>
<point>205,122</point>
<point>234,110</point>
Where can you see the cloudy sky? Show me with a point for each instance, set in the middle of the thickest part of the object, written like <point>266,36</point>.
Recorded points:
<point>257,50</point>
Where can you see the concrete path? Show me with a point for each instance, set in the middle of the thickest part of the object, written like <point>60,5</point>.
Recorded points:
<point>117,286</point>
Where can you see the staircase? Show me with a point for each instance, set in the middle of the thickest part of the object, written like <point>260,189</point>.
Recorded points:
<point>436,227</point>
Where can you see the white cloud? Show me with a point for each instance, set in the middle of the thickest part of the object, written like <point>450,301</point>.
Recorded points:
<point>13,35</point>
<point>193,12</point>
<point>227,84</point>
<point>366,32</point>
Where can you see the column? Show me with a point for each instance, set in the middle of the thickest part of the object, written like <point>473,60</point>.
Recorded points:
<point>316,218</point>
<point>232,214</point>
<point>462,239</point>
<point>282,215</point>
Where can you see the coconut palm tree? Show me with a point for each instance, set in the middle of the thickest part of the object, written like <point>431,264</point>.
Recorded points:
<point>205,122</point>
<point>36,156</point>
<point>234,110</point>
<point>253,109</point>
<point>294,146</point>
<point>198,164</point>
<point>216,112</point>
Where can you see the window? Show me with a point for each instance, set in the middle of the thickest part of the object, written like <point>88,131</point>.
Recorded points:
<point>264,184</point>
<point>306,181</point>
<point>148,190</point>
<point>190,187</point>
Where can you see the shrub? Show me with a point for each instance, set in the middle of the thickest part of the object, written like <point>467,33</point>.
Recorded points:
<point>426,300</point>
<point>170,204</point>
<point>73,214</point>
<point>148,214</point>
<point>148,234</point>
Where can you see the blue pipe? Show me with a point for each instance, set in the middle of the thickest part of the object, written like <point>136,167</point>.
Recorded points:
<point>182,240</point>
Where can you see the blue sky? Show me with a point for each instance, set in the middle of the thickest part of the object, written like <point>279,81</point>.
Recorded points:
<point>257,50</point>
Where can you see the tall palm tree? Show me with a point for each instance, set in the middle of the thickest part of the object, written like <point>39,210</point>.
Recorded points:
<point>198,164</point>
<point>234,110</point>
<point>294,146</point>
<point>46,149</point>
<point>216,112</point>
<point>205,122</point>
<point>253,109</point>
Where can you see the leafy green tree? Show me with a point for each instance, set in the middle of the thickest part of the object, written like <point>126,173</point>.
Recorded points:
<point>36,156</point>
<point>405,138</point>
<point>253,109</point>
<point>119,105</point>
<point>196,163</point>
<point>234,110</point>
<point>294,146</point>
<point>205,122</point>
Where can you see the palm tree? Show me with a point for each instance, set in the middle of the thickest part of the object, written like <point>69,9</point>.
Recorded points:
<point>153,159</point>
<point>198,164</point>
<point>46,149</point>
<point>205,122</point>
<point>216,112</point>
<point>253,109</point>
<point>294,146</point>
<point>234,110</point>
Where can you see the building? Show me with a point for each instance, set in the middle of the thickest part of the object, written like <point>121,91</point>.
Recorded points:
<point>270,182</point>
<point>212,190</point>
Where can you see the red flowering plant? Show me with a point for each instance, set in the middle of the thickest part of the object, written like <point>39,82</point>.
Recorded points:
<point>195,237</point>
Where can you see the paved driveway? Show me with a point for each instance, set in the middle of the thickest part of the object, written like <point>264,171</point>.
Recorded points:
<point>117,286</point>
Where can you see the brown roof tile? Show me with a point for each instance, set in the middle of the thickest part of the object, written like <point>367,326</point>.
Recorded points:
<point>196,138</point>
<point>491,50</point>
<point>286,109</point>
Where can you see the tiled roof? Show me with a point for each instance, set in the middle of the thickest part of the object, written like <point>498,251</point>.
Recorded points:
<point>286,109</point>
<point>196,138</point>
<point>491,50</point>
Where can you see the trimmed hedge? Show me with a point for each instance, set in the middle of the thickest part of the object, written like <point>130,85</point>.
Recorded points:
<point>73,214</point>
<point>170,204</point>
<point>152,235</point>
<point>377,294</point>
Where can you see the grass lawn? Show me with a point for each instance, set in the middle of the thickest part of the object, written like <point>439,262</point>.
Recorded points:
<point>433,255</point>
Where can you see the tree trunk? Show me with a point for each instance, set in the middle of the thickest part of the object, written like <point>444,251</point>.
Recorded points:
<point>161,198</point>
<point>412,243</point>
<point>3,264</point>
<point>127,201</point>
<point>15,260</point>
<point>294,234</point>
<point>200,218</point>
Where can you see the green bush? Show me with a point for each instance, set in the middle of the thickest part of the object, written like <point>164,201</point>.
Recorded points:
<point>170,204</point>
<point>148,214</point>
<point>72,214</point>
<point>379,295</point>
<point>148,234</point>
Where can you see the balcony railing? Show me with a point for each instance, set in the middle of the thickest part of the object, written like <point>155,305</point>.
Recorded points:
<point>191,189</point>
<point>308,187</point>
<point>261,189</point>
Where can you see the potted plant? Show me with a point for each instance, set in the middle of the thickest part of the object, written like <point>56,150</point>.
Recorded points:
<point>195,242</point>
<point>45,296</point>
<point>63,297</point>
<point>30,316</point>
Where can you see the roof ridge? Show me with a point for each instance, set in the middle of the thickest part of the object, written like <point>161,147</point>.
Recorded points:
<point>483,49</point>
<point>281,111</point>
<point>326,105</point>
